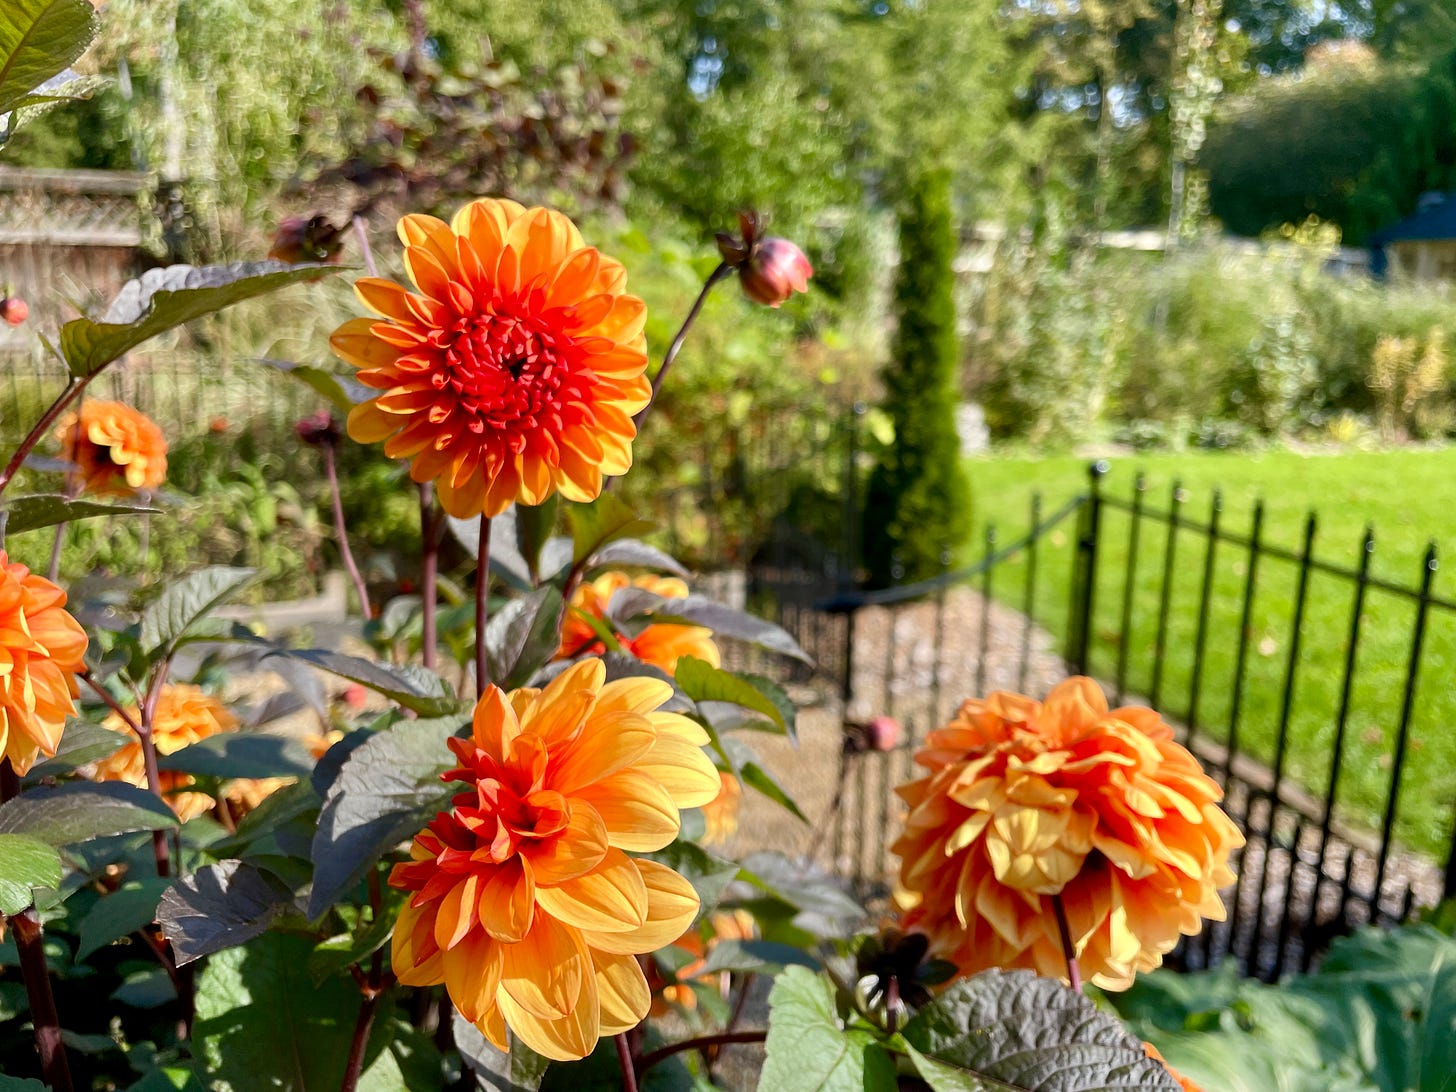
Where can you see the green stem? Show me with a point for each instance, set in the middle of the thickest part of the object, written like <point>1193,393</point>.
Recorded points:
<point>429,574</point>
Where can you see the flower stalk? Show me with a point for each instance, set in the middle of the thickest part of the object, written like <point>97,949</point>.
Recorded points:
<point>341,531</point>
<point>1074,972</point>
<point>40,428</point>
<point>727,1038</point>
<point>430,524</point>
<point>722,271</point>
<point>26,928</point>
<point>482,605</point>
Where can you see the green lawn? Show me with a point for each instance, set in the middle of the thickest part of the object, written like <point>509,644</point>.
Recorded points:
<point>1408,497</point>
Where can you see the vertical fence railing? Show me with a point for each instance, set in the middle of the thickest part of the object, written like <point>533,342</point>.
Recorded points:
<point>1167,608</point>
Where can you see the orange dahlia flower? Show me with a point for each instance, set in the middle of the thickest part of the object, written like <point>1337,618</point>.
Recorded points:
<point>184,715</point>
<point>525,902</point>
<point>514,371</point>
<point>720,815</point>
<point>661,644</point>
<point>1027,800</point>
<point>116,448</point>
<point>41,649</point>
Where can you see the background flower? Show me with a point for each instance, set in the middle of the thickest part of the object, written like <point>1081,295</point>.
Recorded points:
<point>1026,800</point>
<point>184,715</point>
<point>515,371</point>
<point>41,649</point>
<point>661,644</point>
<point>116,448</point>
<point>525,902</point>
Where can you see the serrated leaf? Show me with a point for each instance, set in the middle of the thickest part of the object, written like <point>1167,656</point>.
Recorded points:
<point>808,1046</point>
<point>341,392</point>
<point>1028,1032</point>
<point>123,911</point>
<point>694,610</point>
<point>709,875</point>
<point>522,636</point>
<point>596,524</point>
<point>163,298</point>
<point>220,907</point>
<point>39,38</point>
<point>701,681</point>
<point>188,603</point>
<point>409,685</point>
<point>520,1068</point>
<point>635,553</point>
<point>49,509</point>
<point>25,864</point>
<point>78,811</point>
<point>387,790</point>
<point>241,754</point>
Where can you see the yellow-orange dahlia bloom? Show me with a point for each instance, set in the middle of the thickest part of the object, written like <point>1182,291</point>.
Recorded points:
<point>661,644</point>
<point>184,715</point>
<point>1026,800</point>
<point>525,902</point>
<point>516,368</point>
<point>41,649</point>
<point>116,448</point>
<point>720,815</point>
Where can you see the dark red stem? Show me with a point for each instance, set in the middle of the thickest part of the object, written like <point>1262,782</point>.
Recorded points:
<point>1074,973</point>
<point>26,928</point>
<point>624,1060</point>
<point>482,605</point>
<point>342,533</point>
<point>41,427</point>
<point>681,336</point>
<point>149,761</point>
<point>429,573</point>
<point>727,1038</point>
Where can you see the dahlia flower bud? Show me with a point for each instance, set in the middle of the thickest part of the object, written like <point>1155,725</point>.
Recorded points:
<point>770,269</point>
<point>14,310</point>
<point>307,239</point>
<point>318,428</point>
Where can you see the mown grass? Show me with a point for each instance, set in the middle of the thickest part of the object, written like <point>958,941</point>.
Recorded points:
<point>1407,497</point>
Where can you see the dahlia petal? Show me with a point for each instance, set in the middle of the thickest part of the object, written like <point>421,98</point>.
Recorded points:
<point>428,274</point>
<point>494,724</point>
<point>492,1025</point>
<point>544,971</point>
<point>612,744</point>
<point>624,322</point>
<point>574,278</point>
<point>473,974</point>
<point>432,234</point>
<point>507,902</point>
<point>610,898</point>
<point>408,967</point>
<point>559,714</point>
<point>575,851</point>
<point>634,694</point>
<point>611,276</point>
<point>683,770</point>
<point>385,298</point>
<point>622,992</point>
<point>638,813</point>
<point>672,904</point>
<point>675,725</point>
<point>568,1039</point>
<point>455,913</point>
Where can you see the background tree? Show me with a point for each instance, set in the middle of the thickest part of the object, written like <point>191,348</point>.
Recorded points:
<point>919,501</point>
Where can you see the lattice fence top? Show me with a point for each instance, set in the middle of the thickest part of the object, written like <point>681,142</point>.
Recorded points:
<point>70,208</point>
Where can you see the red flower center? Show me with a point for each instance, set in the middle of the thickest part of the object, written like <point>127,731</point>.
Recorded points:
<point>511,376</point>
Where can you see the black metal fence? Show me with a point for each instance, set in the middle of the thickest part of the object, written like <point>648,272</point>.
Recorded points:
<point>1263,657</point>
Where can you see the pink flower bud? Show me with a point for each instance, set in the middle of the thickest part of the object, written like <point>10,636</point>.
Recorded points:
<point>882,734</point>
<point>14,310</point>
<point>355,696</point>
<point>774,272</point>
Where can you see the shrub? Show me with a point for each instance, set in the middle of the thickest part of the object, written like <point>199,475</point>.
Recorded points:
<point>919,498</point>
